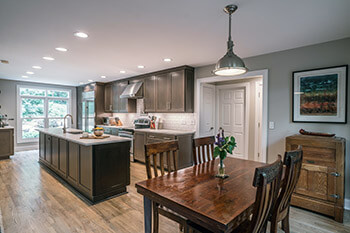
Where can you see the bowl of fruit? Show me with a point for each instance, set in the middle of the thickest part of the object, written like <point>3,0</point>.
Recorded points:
<point>98,131</point>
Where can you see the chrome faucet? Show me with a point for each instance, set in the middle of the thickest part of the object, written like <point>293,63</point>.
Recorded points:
<point>64,122</point>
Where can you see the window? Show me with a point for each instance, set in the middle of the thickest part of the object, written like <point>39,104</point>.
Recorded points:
<point>40,108</point>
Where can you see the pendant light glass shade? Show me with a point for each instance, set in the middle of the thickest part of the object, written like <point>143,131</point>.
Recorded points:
<point>230,64</point>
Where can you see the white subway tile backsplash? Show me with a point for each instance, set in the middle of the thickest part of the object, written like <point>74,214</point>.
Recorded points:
<point>175,121</point>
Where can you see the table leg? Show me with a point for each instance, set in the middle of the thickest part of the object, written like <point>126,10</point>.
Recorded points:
<point>147,211</point>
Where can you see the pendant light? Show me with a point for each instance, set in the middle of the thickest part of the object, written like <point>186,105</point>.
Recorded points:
<point>230,64</point>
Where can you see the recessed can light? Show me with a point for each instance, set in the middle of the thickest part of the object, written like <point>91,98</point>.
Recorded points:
<point>81,35</point>
<point>102,76</point>
<point>61,49</point>
<point>140,66</point>
<point>122,71</point>
<point>36,67</point>
<point>90,80</point>
<point>49,58</point>
<point>24,76</point>
<point>167,59</point>
<point>30,72</point>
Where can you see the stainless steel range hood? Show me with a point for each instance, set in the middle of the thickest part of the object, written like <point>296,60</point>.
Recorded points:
<point>133,91</point>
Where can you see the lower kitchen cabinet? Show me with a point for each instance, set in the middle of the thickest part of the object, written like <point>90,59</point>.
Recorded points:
<point>97,171</point>
<point>6,142</point>
<point>184,159</point>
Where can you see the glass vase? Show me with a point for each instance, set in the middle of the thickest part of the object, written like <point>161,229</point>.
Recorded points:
<point>221,170</point>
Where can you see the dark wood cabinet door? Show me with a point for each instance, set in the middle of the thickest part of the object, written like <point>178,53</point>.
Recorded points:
<point>73,162</point>
<point>122,102</point>
<point>177,91</point>
<point>63,152</point>
<point>55,152</point>
<point>85,171</point>
<point>108,98</point>
<point>150,94</point>
<point>48,148</point>
<point>42,146</point>
<point>163,92</point>
<point>139,146</point>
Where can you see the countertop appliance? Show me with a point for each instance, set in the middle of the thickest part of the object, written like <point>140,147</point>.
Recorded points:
<point>4,120</point>
<point>142,123</point>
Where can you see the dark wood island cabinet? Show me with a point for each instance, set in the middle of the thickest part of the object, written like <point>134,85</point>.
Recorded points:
<point>97,169</point>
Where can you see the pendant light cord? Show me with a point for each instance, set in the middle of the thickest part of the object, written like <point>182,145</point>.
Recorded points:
<point>229,42</point>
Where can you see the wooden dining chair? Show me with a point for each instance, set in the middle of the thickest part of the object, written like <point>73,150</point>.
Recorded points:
<point>280,212</point>
<point>167,153</point>
<point>267,180</point>
<point>202,146</point>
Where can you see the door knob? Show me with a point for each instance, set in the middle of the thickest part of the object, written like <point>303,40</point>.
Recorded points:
<point>336,196</point>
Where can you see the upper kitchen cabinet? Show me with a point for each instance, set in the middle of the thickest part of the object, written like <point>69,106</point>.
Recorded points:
<point>150,94</point>
<point>170,91</point>
<point>112,101</point>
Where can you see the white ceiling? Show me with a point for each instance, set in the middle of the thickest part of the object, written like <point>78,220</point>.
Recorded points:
<point>126,33</point>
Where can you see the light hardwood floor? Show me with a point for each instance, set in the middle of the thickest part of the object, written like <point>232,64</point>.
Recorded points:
<point>31,200</point>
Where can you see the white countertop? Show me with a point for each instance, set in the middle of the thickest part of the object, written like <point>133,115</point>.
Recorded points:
<point>57,132</point>
<point>166,131</point>
<point>148,130</point>
<point>7,127</point>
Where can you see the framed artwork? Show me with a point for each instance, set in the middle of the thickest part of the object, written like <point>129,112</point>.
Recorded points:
<point>320,95</point>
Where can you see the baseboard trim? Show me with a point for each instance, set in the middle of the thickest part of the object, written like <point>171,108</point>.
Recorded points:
<point>347,204</point>
<point>26,148</point>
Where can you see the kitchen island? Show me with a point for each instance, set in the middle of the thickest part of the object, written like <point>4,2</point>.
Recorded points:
<point>96,168</point>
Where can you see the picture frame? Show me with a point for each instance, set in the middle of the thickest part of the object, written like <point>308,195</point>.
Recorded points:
<point>320,95</point>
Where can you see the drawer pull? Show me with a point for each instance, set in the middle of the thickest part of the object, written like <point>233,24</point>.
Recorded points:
<point>310,161</point>
<point>336,196</point>
<point>150,136</point>
<point>336,174</point>
<point>167,138</point>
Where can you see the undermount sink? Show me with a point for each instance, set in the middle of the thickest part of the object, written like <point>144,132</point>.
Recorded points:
<point>74,131</point>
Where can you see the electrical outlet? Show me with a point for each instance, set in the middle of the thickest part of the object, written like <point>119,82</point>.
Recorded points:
<point>271,125</point>
<point>192,122</point>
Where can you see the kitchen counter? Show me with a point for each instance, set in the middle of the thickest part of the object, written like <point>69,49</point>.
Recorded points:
<point>96,168</point>
<point>76,137</point>
<point>166,131</point>
<point>6,127</point>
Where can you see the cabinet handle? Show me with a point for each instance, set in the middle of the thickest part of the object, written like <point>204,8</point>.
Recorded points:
<point>336,196</point>
<point>167,138</point>
<point>150,136</point>
<point>110,107</point>
<point>310,161</point>
<point>336,174</point>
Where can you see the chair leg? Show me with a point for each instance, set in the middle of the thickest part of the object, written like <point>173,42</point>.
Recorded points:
<point>285,224</point>
<point>155,218</point>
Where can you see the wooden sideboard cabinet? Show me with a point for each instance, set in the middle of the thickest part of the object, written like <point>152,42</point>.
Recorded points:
<point>6,142</point>
<point>321,184</point>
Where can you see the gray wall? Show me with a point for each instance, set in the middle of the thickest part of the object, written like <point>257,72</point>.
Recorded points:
<point>8,102</point>
<point>280,66</point>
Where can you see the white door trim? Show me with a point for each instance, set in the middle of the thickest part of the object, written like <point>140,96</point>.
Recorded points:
<point>256,127</point>
<point>257,73</point>
<point>246,86</point>
<point>201,104</point>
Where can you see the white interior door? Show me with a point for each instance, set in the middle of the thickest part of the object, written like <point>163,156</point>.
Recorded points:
<point>232,118</point>
<point>258,155</point>
<point>207,111</point>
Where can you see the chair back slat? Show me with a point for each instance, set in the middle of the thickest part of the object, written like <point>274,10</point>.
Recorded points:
<point>157,151</point>
<point>203,149</point>
<point>293,163</point>
<point>267,180</point>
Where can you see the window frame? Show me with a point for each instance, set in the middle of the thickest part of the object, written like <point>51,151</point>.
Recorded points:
<point>46,99</point>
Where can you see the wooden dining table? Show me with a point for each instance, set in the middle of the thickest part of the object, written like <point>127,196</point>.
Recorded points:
<point>218,205</point>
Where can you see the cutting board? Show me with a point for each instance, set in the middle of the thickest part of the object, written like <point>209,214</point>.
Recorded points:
<point>95,137</point>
